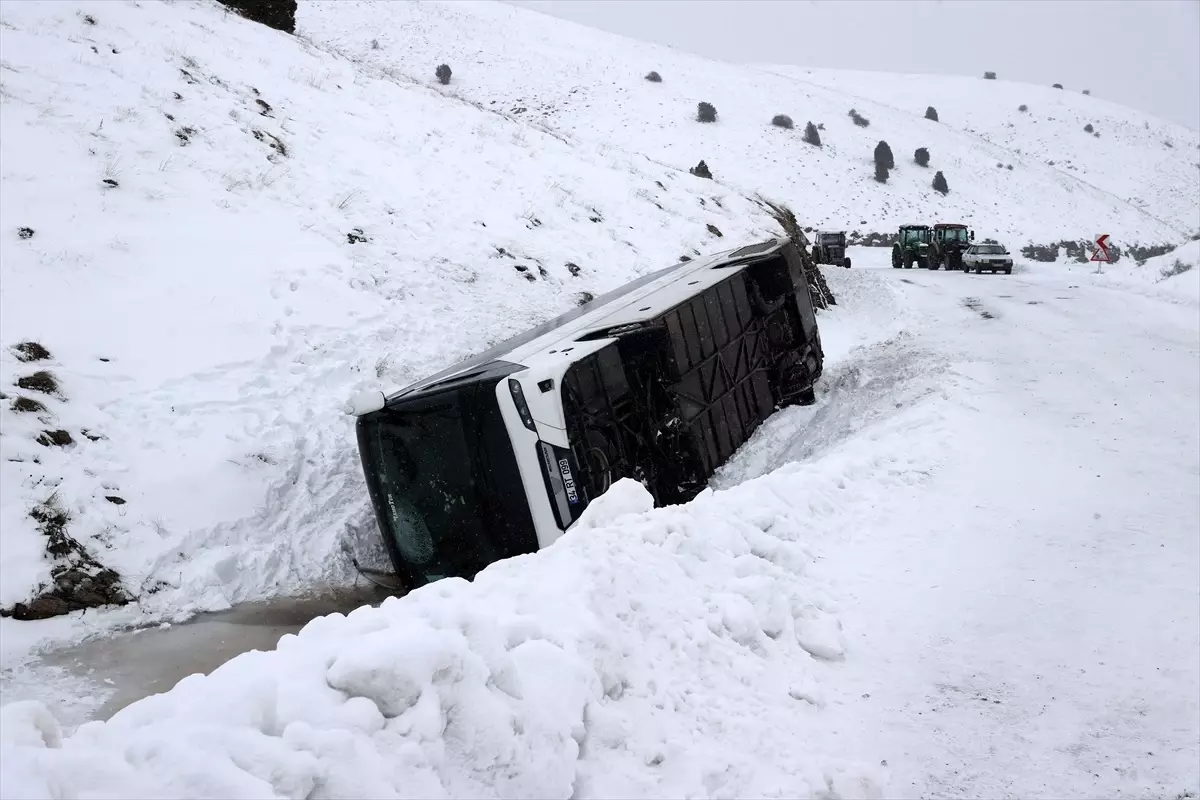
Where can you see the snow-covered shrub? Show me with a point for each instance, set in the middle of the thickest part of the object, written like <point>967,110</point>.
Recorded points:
<point>811,136</point>
<point>706,112</point>
<point>277,14</point>
<point>30,351</point>
<point>939,183</point>
<point>883,155</point>
<point>782,121</point>
<point>921,156</point>
<point>443,74</point>
<point>41,381</point>
<point>1177,268</point>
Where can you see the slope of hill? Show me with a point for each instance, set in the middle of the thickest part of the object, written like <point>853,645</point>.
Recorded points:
<point>1147,162</point>
<point>218,232</point>
<point>588,85</point>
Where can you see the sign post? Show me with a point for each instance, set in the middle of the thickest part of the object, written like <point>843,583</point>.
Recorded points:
<point>1100,254</point>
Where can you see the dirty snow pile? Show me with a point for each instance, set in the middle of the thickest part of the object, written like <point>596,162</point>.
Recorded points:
<point>674,652</point>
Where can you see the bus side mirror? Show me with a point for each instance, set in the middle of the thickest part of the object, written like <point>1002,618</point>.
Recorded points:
<point>971,236</point>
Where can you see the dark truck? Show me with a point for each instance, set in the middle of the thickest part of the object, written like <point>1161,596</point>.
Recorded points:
<point>830,248</point>
<point>660,380</point>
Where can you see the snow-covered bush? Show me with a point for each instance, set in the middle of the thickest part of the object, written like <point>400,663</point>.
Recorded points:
<point>883,155</point>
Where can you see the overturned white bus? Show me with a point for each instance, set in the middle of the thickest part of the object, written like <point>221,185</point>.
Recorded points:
<point>660,380</point>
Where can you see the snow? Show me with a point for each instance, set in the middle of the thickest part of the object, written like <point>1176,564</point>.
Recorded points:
<point>1128,157</point>
<point>249,315</point>
<point>968,570</point>
<point>560,674</point>
<point>1173,276</point>
<point>214,413</point>
<point>587,85</point>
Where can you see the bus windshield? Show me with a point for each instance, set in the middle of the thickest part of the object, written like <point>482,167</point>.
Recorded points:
<point>444,481</point>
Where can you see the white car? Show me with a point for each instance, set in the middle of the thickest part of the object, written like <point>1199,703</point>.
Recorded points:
<point>987,257</point>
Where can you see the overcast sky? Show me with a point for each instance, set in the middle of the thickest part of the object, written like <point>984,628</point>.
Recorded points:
<point>1141,53</point>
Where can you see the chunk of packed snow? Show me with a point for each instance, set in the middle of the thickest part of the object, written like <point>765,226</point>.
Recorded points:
<point>667,655</point>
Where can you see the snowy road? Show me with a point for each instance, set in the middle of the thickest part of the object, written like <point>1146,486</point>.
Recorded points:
<point>1026,623</point>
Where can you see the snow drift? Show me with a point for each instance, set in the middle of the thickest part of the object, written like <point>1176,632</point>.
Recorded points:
<point>673,652</point>
<point>1174,276</point>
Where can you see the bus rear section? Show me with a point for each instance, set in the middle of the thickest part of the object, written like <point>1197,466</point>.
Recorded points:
<point>669,402</point>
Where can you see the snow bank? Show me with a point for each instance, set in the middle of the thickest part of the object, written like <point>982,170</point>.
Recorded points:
<point>1172,276</point>
<point>650,653</point>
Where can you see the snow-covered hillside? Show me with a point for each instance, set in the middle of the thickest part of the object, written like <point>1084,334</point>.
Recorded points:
<point>214,233</point>
<point>230,232</point>
<point>1144,161</point>
<point>588,85</point>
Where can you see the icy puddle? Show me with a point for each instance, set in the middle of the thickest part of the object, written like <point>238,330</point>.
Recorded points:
<point>149,661</point>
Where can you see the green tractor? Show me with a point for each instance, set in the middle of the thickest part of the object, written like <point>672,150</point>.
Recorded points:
<point>912,247</point>
<point>950,240</point>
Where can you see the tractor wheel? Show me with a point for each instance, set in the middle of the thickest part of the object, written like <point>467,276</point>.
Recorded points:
<point>896,256</point>
<point>846,263</point>
<point>1008,271</point>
